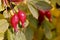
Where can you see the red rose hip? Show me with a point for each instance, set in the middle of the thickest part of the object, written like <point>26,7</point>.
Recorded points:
<point>14,21</point>
<point>22,17</point>
<point>41,16</point>
<point>48,15</point>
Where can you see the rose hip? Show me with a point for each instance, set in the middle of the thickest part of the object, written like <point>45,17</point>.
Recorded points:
<point>14,21</point>
<point>22,17</point>
<point>41,16</point>
<point>48,15</point>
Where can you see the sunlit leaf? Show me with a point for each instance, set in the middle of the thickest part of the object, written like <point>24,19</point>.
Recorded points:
<point>1,36</point>
<point>1,6</point>
<point>33,11</point>
<point>3,25</point>
<point>47,1</point>
<point>20,36</point>
<point>16,9</point>
<point>55,12</point>
<point>26,23</point>
<point>6,14</point>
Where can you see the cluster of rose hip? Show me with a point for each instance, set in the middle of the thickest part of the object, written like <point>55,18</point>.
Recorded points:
<point>43,14</point>
<point>19,16</point>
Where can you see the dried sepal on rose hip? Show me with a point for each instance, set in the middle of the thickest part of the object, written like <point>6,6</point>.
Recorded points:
<point>48,15</point>
<point>41,16</point>
<point>14,21</point>
<point>22,17</point>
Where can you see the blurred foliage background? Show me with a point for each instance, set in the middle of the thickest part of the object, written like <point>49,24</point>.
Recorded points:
<point>31,32</point>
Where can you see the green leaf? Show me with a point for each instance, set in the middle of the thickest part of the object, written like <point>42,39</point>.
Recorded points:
<point>26,23</point>
<point>33,22</point>
<point>3,25</point>
<point>1,6</point>
<point>54,33</point>
<point>6,14</point>
<point>49,24</point>
<point>1,36</point>
<point>47,33</point>
<point>47,30</point>
<point>14,36</point>
<point>20,36</point>
<point>33,10</point>
<point>43,5</point>
<point>22,7</point>
<point>29,33</point>
<point>8,35</point>
<point>16,9</point>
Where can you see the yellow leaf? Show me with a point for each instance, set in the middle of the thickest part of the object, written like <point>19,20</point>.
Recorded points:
<point>1,36</point>
<point>1,16</point>
<point>57,38</point>
<point>58,26</point>
<point>1,6</point>
<point>55,12</point>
